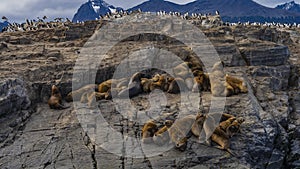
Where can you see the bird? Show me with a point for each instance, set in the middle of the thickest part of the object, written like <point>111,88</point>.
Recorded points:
<point>4,18</point>
<point>217,12</point>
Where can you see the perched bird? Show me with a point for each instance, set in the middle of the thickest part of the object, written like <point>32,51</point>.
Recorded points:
<point>4,18</point>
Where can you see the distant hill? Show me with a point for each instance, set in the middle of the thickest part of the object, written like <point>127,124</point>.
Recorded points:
<point>230,10</point>
<point>241,10</point>
<point>92,10</point>
<point>158,5</point>
<point>290,6</point>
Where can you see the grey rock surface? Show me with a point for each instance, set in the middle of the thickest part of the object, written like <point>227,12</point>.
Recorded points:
<point>34,136</point>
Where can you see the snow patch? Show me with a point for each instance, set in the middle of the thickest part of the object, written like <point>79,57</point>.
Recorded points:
<point>289,5</point>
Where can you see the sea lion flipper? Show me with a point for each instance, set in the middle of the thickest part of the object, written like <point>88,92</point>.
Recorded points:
<point>60,106</point>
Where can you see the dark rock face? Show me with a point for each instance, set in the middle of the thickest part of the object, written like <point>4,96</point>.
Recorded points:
<point>13,96</point>
<point>34,136</point>
<point>92,10</point>
<point>274,56</point>
<point>289,6</point>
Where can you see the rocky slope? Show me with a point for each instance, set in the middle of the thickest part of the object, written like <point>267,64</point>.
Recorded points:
<point>34,136</point>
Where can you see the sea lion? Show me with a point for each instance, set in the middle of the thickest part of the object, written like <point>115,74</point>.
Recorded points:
<point>179,131</point>
<point>235,126</point>
<point>225,124</point>
<point>162,136</point>
<point>148,131</point>
<point>55,101</point>
<point>201,82</point>
<point>225,130</point>
<point>238,85</point>
<point>175,85</point>
<point>147,85</point>
<point>113,92</point>
<point>86,97</point>
<point>217,81</point>
<point>105,86</point>
<point>222,139</point>
<point>198,125</point>
<point>159,81</point>
<point>76,95</point>
<point>134,86</point>
<point>166,82</point>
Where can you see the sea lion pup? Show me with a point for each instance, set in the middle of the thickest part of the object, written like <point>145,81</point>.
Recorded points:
<point>148,131</point>
<point>179,131</point>
<point>175,85</point>
<point>162,135</point>
<point>238,85</point>
<point>55,101</point>
<point>134,86</point>
<point>76,95</point>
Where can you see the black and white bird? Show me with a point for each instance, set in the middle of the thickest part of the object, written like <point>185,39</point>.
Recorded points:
<point>4,18</point>
<point>217,12</point>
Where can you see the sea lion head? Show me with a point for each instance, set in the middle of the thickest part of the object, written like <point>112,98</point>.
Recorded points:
<point>54,90</point>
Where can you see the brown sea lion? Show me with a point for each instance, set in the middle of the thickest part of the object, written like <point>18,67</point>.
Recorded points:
<point>105,86</point>
<point>55,101</point>
<point>179,131</point>
<point>162,136</point>
<point>201,82</point>
<point>148,131</point>
<point>238,85</point>
<point>235,126</point>
<point>219,87</point>
<point>76,95</point>
<point>222,139</point>
<point>175,85</point>
<point>134,86</point>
